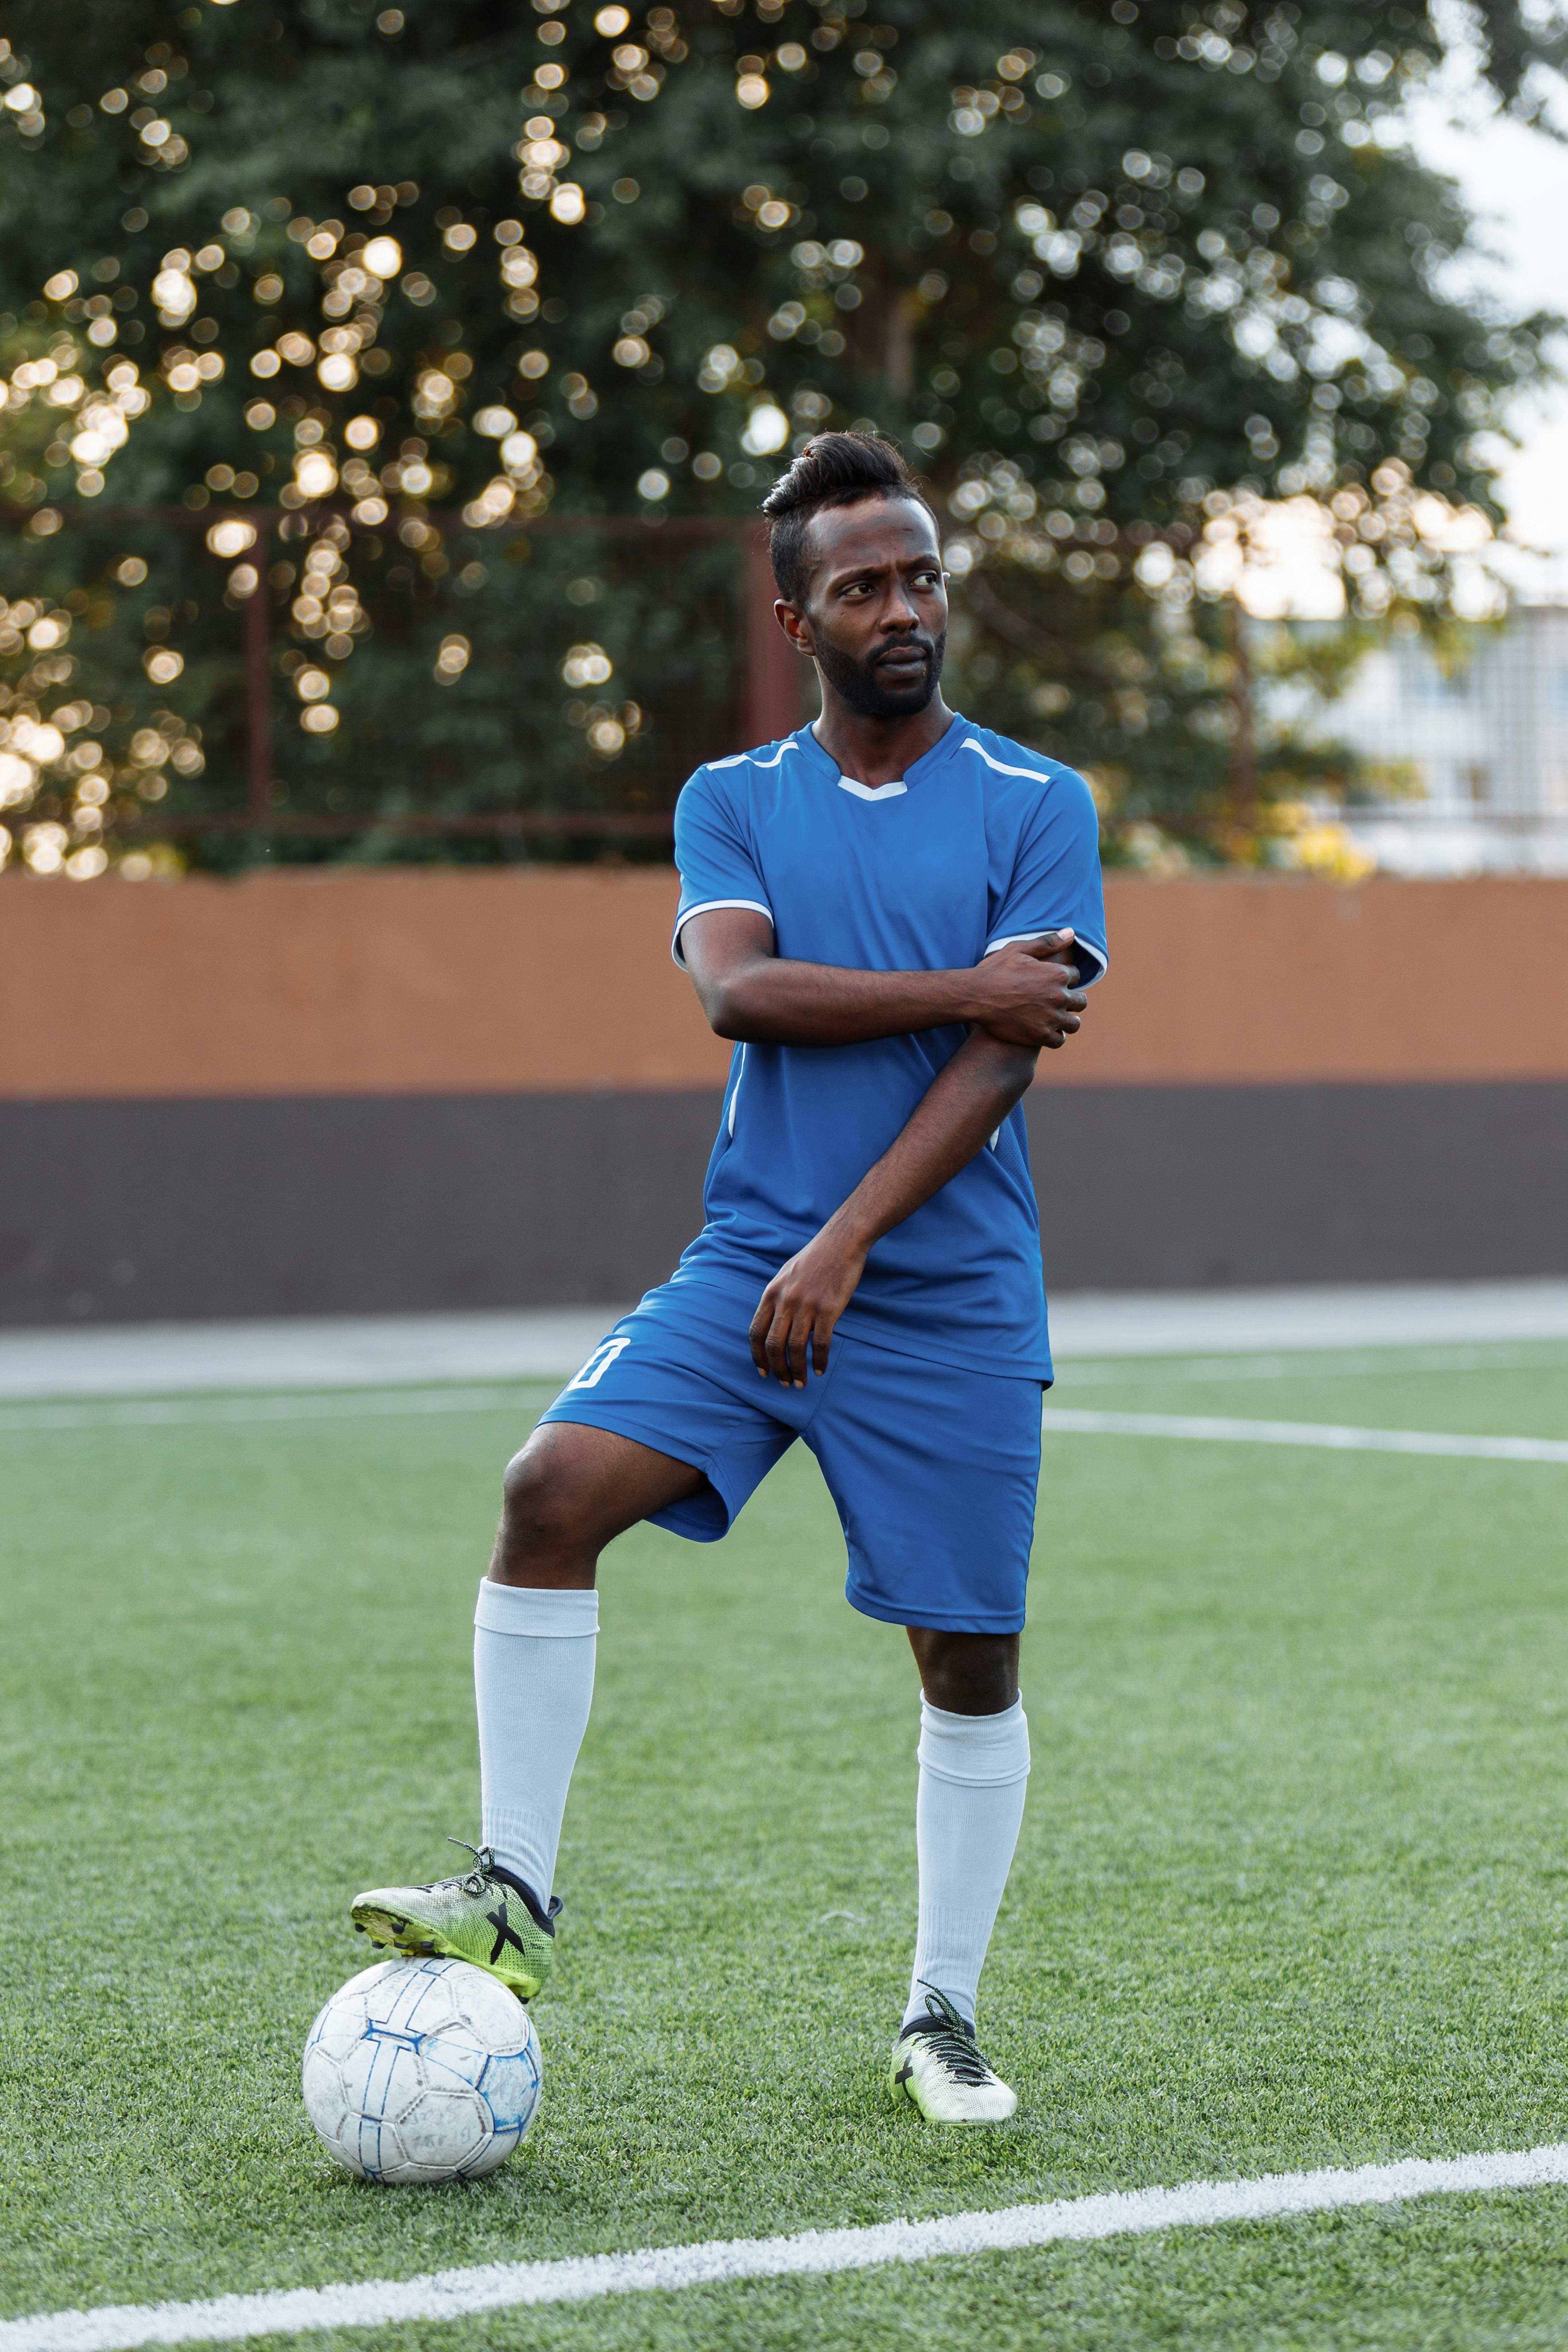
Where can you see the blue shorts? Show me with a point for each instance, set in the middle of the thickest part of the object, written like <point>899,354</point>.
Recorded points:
<point>933,1469</point>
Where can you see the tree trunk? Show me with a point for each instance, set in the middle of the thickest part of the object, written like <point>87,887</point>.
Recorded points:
<point>1243,741</point>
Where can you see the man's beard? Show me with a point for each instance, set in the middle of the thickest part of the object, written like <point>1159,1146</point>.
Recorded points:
<point>869,692</point>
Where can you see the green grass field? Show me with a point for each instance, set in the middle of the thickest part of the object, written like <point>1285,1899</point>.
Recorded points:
<point>1292,1889</point>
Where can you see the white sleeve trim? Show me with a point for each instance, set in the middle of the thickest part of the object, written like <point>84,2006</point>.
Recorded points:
<point>711,907</point>
<point>741,759</point>
<point>1102,962</point>
<point>1037,775</point>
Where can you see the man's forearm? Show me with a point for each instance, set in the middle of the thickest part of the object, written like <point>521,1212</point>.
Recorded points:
<point>1025,992</point>
<point>775,1001</point>
<point>961,1108</point>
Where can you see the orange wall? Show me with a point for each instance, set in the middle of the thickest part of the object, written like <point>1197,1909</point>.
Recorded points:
<point>558,981</point>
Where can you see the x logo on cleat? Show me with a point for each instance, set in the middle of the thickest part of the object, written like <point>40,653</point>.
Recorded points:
<point>505,1932</point>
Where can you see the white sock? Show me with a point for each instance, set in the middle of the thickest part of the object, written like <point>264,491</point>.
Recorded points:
<point>533,1683</point>
<point>967,1813</point>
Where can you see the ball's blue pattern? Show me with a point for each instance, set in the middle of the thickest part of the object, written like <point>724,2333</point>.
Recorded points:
<point>421,2071</point>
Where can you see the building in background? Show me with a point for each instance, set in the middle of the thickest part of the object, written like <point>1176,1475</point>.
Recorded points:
<point>1476,754</point>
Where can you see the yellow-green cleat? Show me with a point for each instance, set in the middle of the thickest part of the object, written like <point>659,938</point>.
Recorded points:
<point>485,1916</point>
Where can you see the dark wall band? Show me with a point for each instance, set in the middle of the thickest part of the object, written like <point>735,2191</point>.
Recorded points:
<point>131,1212</point>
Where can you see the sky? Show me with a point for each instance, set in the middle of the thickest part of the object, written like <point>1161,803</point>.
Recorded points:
<point>1515,182</point>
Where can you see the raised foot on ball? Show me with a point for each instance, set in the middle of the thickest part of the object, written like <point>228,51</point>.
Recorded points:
<point>484,1916</point>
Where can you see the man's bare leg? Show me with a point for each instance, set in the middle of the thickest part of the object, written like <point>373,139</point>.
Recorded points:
<point>966,1673</point>
<point>570,1492</point>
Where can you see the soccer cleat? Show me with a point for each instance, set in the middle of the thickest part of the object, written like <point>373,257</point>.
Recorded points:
<point>937,2064</point>
<point>486,1917</point>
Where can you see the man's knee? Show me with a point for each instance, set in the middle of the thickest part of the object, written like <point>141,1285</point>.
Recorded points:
<point>572,1490</point>
<point>966,1673</point>
<point>544,1509</point>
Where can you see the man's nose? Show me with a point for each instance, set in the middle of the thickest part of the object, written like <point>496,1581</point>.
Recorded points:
<point>899,610</point>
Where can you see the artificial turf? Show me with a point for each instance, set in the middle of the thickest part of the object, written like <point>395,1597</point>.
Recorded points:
<point>1292,1889</point>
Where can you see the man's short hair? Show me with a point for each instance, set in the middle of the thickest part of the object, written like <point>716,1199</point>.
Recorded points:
<point>834,469</point>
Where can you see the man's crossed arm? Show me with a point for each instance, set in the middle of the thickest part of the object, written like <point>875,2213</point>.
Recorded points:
<point>1020,999</point>
<point>1025,993</point>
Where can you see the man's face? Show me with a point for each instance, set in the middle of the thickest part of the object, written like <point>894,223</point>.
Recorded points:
<point>875,611</point>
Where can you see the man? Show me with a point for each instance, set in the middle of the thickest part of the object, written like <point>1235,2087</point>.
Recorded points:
<point>889,913</point>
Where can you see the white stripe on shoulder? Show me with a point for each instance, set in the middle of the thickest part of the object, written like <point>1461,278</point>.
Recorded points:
<point>711,907</point>
<point>1001,766</point>
<point>1102,962</point>
<point>751,760</point>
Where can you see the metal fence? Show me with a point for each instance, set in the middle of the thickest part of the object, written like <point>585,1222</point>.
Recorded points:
<point>239,678</point>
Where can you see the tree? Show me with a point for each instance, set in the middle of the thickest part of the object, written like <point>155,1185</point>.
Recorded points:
<point>1107,271</point>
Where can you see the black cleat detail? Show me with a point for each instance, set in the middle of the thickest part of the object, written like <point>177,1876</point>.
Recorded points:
<point>505,1932</point>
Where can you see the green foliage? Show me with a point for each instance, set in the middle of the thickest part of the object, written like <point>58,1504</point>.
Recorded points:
<point>1154,700</point>
<point>1104,269</point>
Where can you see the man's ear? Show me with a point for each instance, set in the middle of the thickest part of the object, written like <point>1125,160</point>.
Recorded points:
<point>796,627</point>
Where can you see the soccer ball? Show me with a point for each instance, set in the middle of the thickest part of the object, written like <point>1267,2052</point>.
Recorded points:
<point>422,2070</point>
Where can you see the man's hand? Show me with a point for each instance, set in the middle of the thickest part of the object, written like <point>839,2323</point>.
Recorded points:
<point>1028,993</point>
<point>802,1303</point>
<point>966,1101</point>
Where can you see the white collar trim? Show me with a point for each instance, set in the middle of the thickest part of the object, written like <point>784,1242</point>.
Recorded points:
<point>871,792</point>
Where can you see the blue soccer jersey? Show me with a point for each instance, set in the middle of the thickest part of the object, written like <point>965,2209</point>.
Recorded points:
<point>983,841</point>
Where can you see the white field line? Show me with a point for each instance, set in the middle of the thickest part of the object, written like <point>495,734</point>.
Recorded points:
<point>161,1412</point>
<point>502,2286</point>
<point>1237,1370</point>
<point>1063,1420</point>
<point>239,1412</point>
